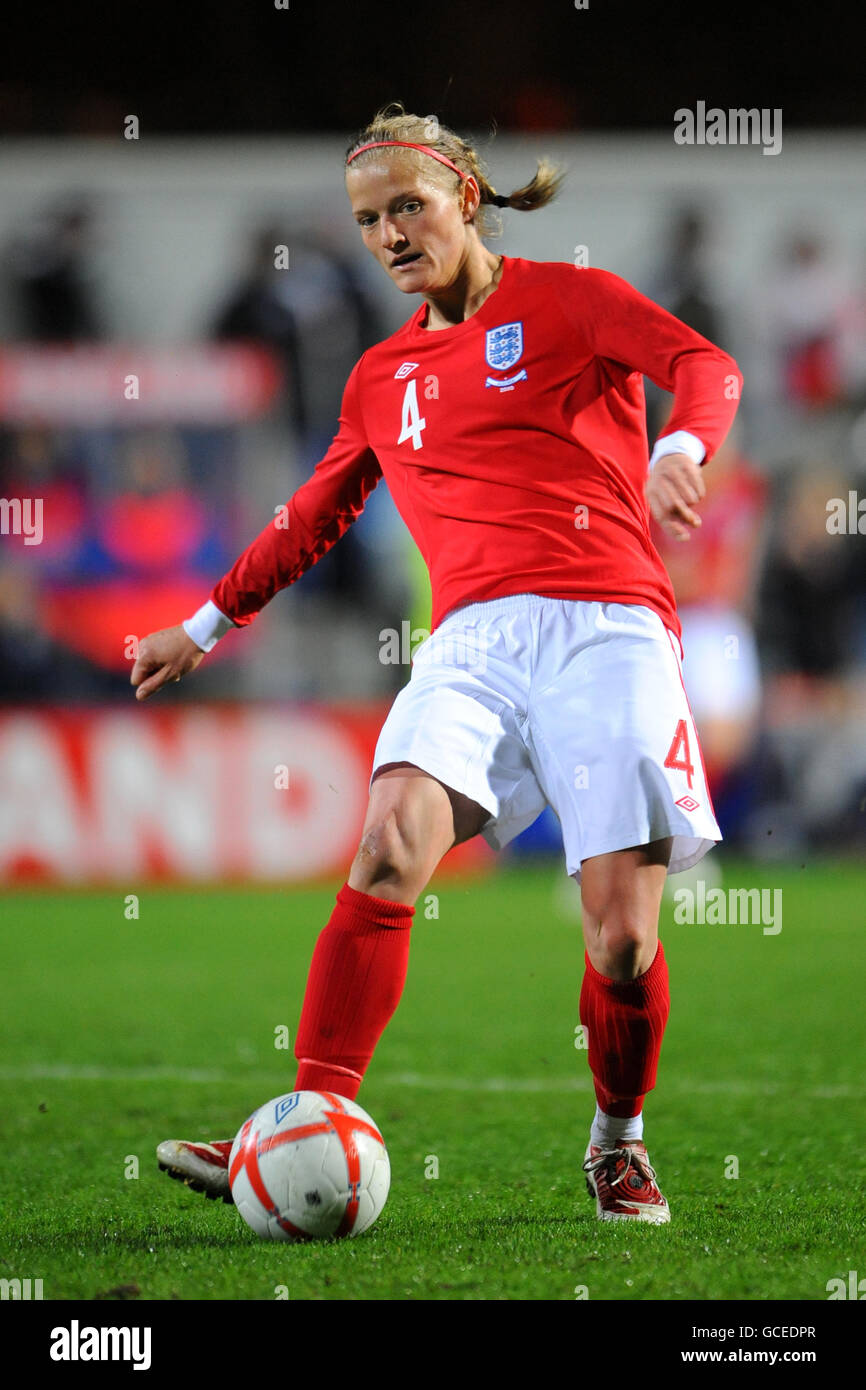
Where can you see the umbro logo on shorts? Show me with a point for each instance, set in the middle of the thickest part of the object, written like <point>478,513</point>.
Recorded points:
<point>405,370</point>
<point>688,803</point>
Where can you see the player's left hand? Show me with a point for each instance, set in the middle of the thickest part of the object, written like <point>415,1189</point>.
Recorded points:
<point>673,489</point>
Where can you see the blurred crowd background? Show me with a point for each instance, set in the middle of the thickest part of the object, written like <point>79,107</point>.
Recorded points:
<point>164,248</point>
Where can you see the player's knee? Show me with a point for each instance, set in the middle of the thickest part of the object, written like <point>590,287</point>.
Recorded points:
<point>621,942</point>
<point>385,863</point>
<point>624,951</point>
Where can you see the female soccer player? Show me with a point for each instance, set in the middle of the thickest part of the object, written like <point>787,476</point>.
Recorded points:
<point>507,416</point>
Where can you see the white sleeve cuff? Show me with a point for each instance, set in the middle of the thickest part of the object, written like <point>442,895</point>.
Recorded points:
<point>207,626</point>
<point>680,442</point>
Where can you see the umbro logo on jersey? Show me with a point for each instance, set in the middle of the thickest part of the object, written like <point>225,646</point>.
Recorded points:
<point>405,370</point>
<point>688,803</point>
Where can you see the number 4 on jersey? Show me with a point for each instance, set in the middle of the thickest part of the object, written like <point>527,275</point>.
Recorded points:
<point>412,422</point>
<point>678,754</point>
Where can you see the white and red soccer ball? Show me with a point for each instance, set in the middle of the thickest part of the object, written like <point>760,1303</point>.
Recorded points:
<point>309,1165</point>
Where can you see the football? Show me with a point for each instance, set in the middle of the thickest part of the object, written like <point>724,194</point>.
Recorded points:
<point>309,1165</point>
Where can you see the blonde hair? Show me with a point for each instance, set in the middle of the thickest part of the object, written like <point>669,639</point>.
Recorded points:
<point>393,122</point>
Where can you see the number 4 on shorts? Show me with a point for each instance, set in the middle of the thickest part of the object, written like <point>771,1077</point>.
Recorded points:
<point>678,754</point>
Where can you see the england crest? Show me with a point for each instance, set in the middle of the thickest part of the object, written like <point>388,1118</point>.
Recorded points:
<point>504,345</point>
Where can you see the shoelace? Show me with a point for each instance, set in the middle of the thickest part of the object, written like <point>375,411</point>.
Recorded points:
<point>610,1157</point>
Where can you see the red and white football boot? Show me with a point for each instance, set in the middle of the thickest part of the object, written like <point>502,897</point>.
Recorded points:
<point>203,1167</point>
<point>623,1183</point>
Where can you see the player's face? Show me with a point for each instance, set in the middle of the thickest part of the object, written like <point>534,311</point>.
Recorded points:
<point>414,228</point>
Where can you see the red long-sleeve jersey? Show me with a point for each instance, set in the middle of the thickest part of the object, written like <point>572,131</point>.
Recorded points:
<point>514,446</point>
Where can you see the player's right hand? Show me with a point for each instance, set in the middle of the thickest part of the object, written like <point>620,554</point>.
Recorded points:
<point>163,657</point>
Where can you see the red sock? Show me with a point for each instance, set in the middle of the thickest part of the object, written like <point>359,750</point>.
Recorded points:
<point>355,982</point>
<point>625,1022</point>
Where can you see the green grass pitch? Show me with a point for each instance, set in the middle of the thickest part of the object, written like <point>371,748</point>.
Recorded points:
<point>118,1033</point>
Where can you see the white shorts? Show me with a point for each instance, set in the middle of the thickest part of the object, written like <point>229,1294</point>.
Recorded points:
<point>524,702</point>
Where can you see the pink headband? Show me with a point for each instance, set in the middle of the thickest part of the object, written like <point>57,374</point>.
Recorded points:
<point>425,149</point>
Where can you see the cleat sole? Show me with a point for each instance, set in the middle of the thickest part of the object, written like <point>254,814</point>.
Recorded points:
<point>646,1219</point>
<point>195,1186</point>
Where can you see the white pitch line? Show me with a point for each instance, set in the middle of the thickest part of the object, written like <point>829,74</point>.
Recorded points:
<point>60,1072</point>
<point>564,1085</point>
<point>419,1081</point>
